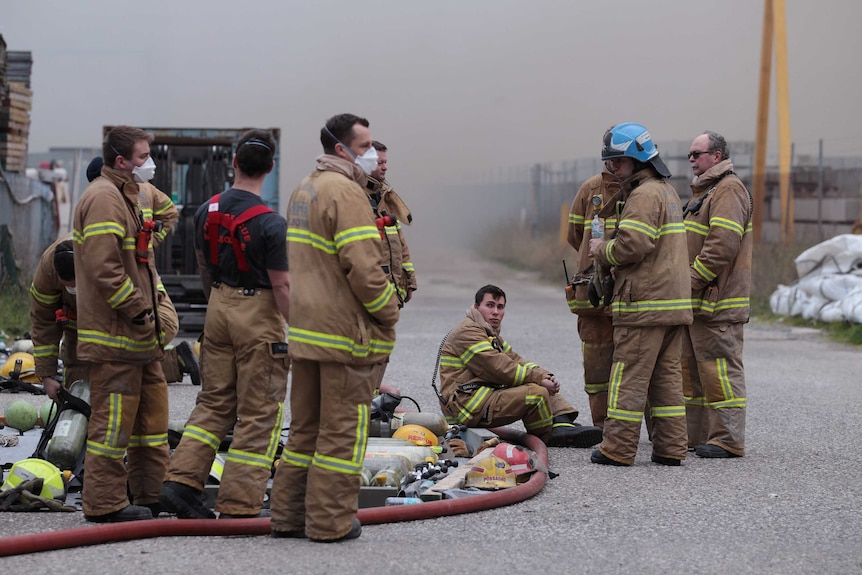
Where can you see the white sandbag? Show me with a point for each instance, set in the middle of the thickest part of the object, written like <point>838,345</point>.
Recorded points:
<point>840,254</point>
<point>837,286</point>
<point>851,306</point>
<point>782,299</point>
<point>831,312</point>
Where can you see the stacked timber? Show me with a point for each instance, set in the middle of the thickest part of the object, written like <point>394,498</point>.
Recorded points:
<point>16,101</point>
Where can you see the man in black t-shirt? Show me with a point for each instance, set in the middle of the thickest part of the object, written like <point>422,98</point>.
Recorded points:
<point>241,246</point>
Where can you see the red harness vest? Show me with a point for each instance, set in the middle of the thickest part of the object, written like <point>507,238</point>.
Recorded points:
<point>217,219</point>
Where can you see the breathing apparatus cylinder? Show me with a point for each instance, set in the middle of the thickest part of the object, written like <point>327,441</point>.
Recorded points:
<point>435,422</point>
<point>415,453</point>
<point>70,433</point>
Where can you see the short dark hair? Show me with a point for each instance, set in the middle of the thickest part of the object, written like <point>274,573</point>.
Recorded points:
<point>64,261</point>
<point>379,146</point>
<point>254,153</point>
<point>120,141</point>
<point>717,143</point>
<point>495,292</point>
<point>339,129</point>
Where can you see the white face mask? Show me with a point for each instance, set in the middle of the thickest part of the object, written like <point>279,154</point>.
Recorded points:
<point>71,290</point>
<point>146,171</point>
<point>367,161</point>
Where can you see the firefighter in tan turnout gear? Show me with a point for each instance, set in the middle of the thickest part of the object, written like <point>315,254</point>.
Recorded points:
<point>391,214</point>
<point>651,303</point>
<point>595,326</point>
<point>244,363</point>
<point>119,335</point>
<point>486,384</point>
<point>718,228</point>
<point>343,311</point>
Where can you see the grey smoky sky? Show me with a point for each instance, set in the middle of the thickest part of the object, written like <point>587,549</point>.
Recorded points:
<point>452,87</point>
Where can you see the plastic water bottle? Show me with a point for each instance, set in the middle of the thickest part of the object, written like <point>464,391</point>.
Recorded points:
<point>390,501</point>
<point>598,227</point>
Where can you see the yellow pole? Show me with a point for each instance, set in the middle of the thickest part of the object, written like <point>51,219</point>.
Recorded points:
<point>760,140</point>
<point>783,108</point>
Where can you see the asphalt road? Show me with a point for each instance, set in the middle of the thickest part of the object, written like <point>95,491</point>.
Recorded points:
<point>792,505</point>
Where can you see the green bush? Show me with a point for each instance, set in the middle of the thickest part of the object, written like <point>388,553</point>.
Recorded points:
<point>14,311</point>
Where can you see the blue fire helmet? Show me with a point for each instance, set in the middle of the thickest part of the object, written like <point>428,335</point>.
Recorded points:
<point>632,141</point>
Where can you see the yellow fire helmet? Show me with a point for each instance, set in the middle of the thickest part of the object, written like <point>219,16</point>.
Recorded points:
<point>416,434</point>
<point>28,367</point>
<point>490,473</point>
<point>53,486</point>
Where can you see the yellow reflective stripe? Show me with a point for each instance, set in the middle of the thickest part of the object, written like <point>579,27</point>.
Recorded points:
<point>276,432</point>
<point>124,291</point>
<point>696,228</point>
<point>737,402</point>
<point>451,361</point>
<point>147,212</point>
<point>339,342</point>
<point>723,378</point>
<point>609,252</point>
<point>200,434</point>
<point>77,237</point>
<point>248,458</point>
<point>593,388</point>
<point>300,236</point>
<point>726,224</point>
<point>672,228</point>
<point>531,365</point>
<point>651,305</point>
<point>148,440</point>
<point>161,235</point>
<point>165,207</point>
<point>392,230</point>
<point>408,266</point>
<point>471,351</point>
<point>544,412</point>
<point>475,401</point>
<point>576,219</point>
<point>48,350</point>
<point>520,375</point>
<point>116,342</point>
<point>702,270</point>
<point>104,450</point>
<point>353,465</point>
<point>296,459</point>
<point>161,287</point>
<point>625,415</point>
<point>667,411</point>
<point>577,304</point>
<point>356,234</point>
<point>641,227</point>
<point>101,228</point>
<point>43,298</point>
<point>130,244</point>
<point>721,305</point>
<point>614,384</point>
<point>506,347</point>
<point>380,301</point>
<point>115,419</point>
<point>696,401</point>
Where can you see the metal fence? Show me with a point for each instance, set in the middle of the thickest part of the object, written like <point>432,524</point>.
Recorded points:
<point>28,225</point>
<point>826,190</point>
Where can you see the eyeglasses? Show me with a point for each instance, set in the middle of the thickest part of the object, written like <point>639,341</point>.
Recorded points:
<point>697,154</point>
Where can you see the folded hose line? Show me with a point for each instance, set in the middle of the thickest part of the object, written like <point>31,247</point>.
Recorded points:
<point>95,535</point>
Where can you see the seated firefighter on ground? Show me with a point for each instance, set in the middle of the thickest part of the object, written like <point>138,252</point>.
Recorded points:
<point>486,384</point>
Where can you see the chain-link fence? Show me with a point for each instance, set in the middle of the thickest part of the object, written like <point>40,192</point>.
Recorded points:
<point>28,225</point>
<point>826,190</point>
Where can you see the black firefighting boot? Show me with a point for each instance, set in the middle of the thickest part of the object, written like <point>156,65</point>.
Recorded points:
<point>188,363</point>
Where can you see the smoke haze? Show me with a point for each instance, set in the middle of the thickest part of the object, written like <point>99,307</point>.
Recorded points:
<point>455,89</point>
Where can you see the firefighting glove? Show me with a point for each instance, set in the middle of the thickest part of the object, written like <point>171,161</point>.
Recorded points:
<point>144,317</point>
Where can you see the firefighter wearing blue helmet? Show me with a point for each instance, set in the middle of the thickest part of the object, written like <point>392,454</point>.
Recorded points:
<point>650,304</point>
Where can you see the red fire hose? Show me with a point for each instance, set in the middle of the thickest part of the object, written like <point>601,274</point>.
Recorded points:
<point>64,539</point>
